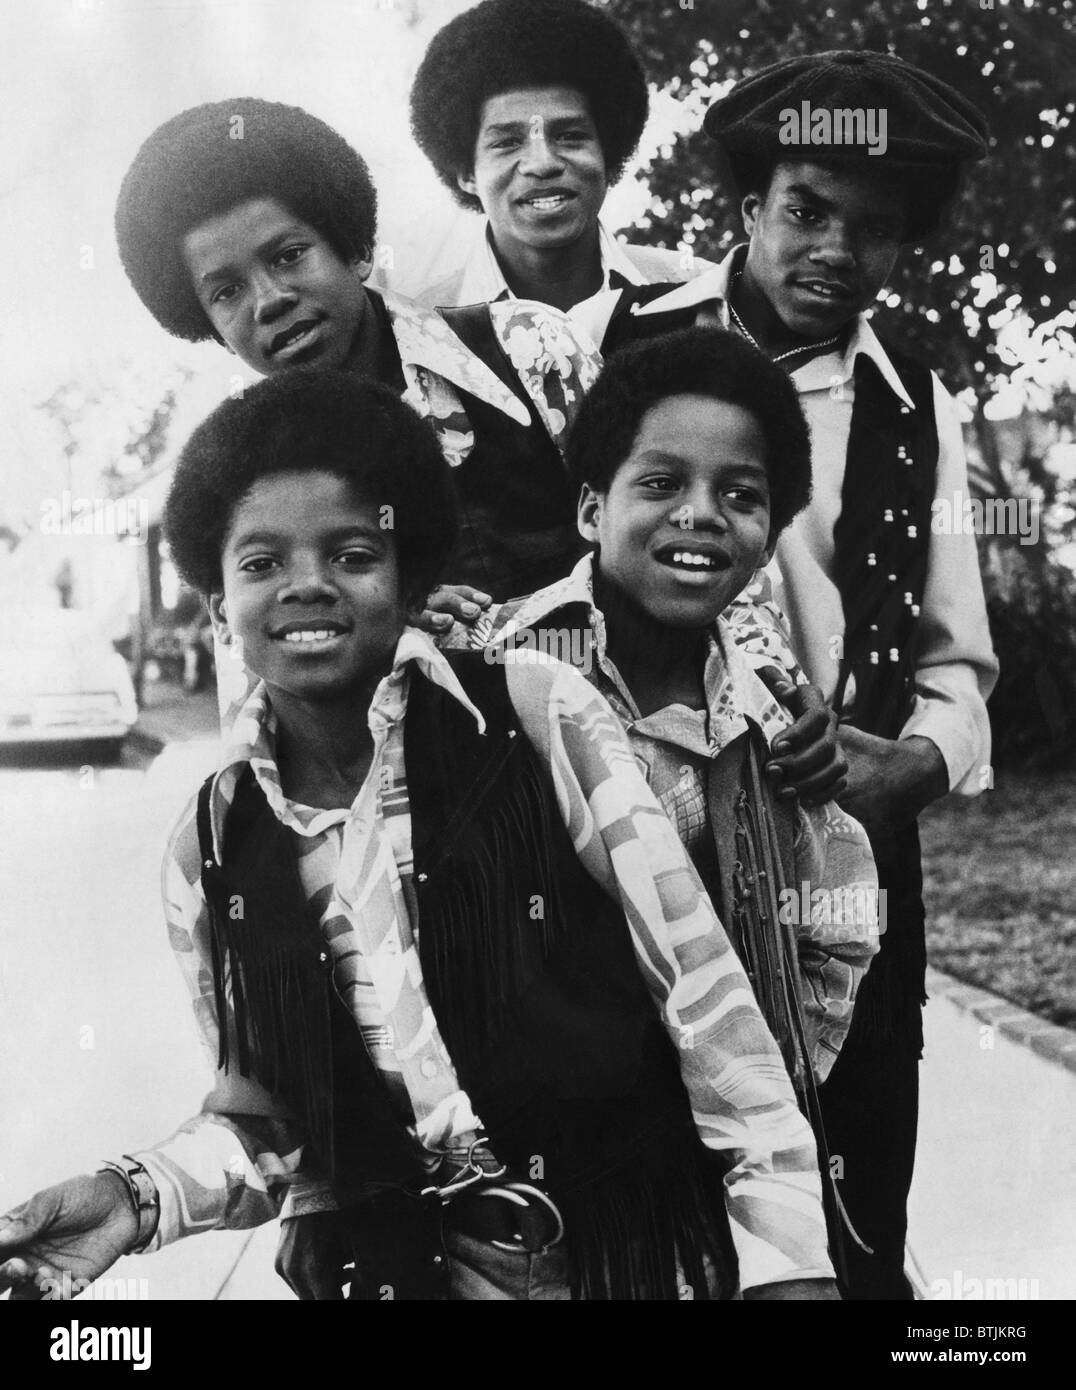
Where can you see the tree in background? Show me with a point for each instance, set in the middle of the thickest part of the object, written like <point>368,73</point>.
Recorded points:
<point>993,290</point>
<point>113,423</point>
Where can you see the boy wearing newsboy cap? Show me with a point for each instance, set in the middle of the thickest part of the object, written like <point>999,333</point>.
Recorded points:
<point>840,159</point>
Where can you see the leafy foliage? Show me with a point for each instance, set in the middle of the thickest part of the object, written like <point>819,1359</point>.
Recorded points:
<point>1017,214</point>
<point>1030,603</point>
<point>112,421</point>
<point>1000,888</point>
<point>1009,248</point>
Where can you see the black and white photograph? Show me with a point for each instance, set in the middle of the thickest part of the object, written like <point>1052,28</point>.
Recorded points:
<point>538,663</point>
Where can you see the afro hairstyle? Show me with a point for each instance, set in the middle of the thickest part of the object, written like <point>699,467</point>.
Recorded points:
<point>698,362</point>
<point>213,157</point>
<point>312,419</point>
<point>512,45</point>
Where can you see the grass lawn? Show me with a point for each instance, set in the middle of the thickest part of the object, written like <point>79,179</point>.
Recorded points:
<point>1000,889</point>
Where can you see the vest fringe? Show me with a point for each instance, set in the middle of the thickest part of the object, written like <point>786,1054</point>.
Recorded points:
<point>279,994</point>
<point>269,967</point>
<point>479,917</point>
<point>888,1011</point>
<point>651,1234</point>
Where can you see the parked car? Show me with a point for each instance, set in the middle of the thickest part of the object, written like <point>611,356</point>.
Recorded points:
<point>62,680</point>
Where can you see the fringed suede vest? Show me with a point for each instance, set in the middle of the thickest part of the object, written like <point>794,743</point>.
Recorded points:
<point>516,504</point>
<point>533,979</point>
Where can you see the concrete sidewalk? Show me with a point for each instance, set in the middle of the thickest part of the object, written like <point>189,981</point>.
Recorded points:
<point>993,1207</point>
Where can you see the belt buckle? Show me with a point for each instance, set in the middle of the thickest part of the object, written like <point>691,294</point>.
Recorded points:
<point>469,1174</point>
<point>530,1198</point>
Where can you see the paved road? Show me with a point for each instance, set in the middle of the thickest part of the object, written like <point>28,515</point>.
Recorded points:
<point>98,1049</point>
<point>99,1053</point>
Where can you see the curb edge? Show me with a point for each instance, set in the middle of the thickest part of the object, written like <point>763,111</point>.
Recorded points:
<point>1051,1041</point>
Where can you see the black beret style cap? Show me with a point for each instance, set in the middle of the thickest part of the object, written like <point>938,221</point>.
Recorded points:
<point>929,124</point>
<point>931,130</point>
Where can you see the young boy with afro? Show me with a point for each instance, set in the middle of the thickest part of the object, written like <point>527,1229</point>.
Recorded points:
<point>465,994</point>
<point>529,111</point>
<point>691,456</point>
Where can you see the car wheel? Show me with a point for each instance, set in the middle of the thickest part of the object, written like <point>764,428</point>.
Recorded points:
<point>106,750</point>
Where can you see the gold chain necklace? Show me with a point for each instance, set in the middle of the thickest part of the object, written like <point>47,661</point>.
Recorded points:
<point>779,357</point>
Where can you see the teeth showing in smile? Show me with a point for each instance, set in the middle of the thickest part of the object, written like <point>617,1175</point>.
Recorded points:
<point>827,290</point>
<point>555,200</point>
<point>693,560</point>
<point>320,634</point>
<point>293,337</point>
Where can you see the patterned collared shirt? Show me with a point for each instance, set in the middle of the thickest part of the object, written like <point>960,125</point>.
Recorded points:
<point>675,747</point>
<point>235,1163</point>
<point>955,666</point>
<point>356,865</point>
<point>555,367</point>
<point>480,279</point>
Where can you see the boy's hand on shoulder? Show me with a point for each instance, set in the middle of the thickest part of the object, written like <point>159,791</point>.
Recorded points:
<point>890,780</point>
<point>807,759</point>
<point>80,1228</point>
<point>452,602</point>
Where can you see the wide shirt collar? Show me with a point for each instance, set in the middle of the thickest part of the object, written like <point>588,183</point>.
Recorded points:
<point>252,738</point>
<point>733,692</point>
<point>431,354</point>
<point>822,373</point>
<point>483,279</point>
